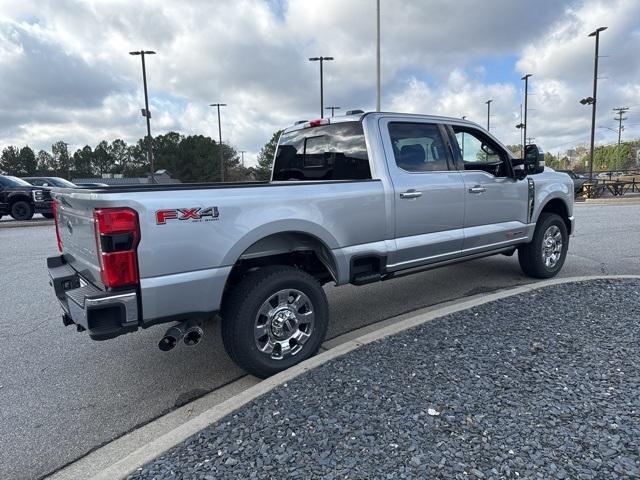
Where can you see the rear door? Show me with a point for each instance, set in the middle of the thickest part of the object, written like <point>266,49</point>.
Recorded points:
<point>428,192</point>
<point>495,202</point>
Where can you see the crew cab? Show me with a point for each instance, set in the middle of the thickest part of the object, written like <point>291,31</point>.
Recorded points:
<point>22,200</point>
<point>352,200</point>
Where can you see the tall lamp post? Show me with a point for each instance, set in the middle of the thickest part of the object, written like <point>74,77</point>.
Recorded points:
<point>592,100</point>
<point>218,105</point>
<point>488,102</point>
<point>146,113</point>
<point>242,152</point>
<point>526,95</point>
<point>377,55</point>
<point>321,60</point>
<point>333,109</point>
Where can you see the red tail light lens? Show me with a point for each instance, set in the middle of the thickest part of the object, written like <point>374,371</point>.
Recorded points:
<point>117,237</point>
<point>54,208</point>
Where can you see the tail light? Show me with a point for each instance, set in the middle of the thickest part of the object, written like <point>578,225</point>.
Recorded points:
<point>54,208</point>
<point>117,237</point>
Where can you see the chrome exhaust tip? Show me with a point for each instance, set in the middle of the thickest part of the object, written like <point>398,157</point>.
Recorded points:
<point>170,338</point>
<point>193,335</point>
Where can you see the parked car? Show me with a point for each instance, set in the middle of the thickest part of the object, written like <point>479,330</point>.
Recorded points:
<point>376,196</point>
<point>21,199</point>
<point>49,182</point>
<point>578,180</point>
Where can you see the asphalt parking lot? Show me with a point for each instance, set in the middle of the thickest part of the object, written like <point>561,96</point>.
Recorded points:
<point>62,395</point>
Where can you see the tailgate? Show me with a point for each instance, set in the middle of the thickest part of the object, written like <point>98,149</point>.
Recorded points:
<point>76,227</point>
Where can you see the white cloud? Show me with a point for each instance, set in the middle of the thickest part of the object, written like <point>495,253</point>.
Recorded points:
<point>67,74</point>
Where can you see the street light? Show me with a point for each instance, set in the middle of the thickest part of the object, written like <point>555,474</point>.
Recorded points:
<point>242,152</point>
<point>218,105</point>
<point>321,60</point>
<point>332,109</point>
<point>592,100</point>
<point>488,102</point>
<point>526,94</point>
<point>146,113</point>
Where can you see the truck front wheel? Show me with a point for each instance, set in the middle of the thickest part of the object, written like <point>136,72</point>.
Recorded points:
<point>273,319</point>
<point>22,210</point>
<point>545,255</point>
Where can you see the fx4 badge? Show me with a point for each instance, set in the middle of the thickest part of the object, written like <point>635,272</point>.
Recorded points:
<point>194,214</point>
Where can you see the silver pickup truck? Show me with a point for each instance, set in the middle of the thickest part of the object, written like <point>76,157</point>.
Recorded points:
<point>355,199</point>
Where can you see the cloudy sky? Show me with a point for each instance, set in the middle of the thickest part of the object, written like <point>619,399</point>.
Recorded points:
<point>66,74</point>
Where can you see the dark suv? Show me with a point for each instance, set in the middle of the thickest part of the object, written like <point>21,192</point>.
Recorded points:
<point>49,182</point>
<point>21,199</point>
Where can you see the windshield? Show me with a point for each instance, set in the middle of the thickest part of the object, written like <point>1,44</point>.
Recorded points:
<point>9,181</point>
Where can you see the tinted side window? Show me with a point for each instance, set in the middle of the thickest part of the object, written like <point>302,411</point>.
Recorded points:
<point>328,152</point>
<point>419,147</point>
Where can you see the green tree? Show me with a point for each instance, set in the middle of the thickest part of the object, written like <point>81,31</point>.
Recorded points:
<point>9,160</point>
<point>516,150</point>
<point>266,156</point>
<point>552,161</point>
<point>82,162</point>
<point>61,159</point>
<point>120,153</point>
<point>27,161</point>
<point>102,160</point>
<point>45,163</point>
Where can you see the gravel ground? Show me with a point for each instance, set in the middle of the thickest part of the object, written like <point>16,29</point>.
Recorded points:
<point>542,385</point>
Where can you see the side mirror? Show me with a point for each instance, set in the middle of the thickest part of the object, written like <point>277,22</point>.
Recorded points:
<point>533,159</point>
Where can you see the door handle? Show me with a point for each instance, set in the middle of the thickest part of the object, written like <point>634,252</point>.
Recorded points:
<point>409,194</point>
<point>477,189</point>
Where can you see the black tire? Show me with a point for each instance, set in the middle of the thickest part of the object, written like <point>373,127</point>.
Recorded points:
<point>240,313</point>
<point>48,215</point>
<point>530,256</point>
<point>22,210</point>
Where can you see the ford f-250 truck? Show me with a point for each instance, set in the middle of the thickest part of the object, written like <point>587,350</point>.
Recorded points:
<point>354,199</point>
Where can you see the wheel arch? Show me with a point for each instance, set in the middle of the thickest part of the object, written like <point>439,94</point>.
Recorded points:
<point>559,207</point>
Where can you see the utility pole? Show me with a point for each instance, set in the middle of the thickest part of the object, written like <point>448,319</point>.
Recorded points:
<point>146,113</point>
<point>218,105</point>
<point>526,94</point>
<point>620,111</point>
<point>488,102</point>
<point>530,140</point>
<point>321,60</point>
<point>242,152</point>
<point>333,109</point>
<point>377,55</point>
<point>595,33</point>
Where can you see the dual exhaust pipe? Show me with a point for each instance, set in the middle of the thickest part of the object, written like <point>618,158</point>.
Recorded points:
<point>190,332</point>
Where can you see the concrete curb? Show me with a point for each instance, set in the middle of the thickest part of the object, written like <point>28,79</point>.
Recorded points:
<point>155,448</point>
<point>28,223</point>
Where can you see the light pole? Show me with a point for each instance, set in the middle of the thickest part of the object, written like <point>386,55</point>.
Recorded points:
<point>218,105</point>
<point>620,111</point>
<point>321,60</point>
<point>242,152</point>
<point>488,102</point>
<point>526,94</point>
<point>332,109</point>
<point>592,100</point>
<point>377,55</point>
<point>146,113</point>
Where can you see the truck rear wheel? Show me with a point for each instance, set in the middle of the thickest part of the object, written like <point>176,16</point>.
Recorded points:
<point>545,255</point>
<point>22,210</point>
<point>273,319</point>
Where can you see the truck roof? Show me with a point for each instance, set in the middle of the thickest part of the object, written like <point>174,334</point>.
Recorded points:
<point>359,116</point>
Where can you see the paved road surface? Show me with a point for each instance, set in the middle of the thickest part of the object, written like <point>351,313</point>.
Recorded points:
<point>62,394</point>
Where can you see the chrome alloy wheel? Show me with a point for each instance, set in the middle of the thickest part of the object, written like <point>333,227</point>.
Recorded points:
<point>284,323</point>
<point>551,246</point>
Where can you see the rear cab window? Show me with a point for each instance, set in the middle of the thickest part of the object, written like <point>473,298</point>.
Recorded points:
<point>329,152</point>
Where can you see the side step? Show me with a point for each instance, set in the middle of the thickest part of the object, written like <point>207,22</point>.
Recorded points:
<point>364,278</point>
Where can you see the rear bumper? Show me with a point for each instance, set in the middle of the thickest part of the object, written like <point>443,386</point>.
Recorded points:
<point>103,315</point>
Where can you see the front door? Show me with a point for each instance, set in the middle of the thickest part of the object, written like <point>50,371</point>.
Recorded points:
<point>428,193</point>
<point>495,202</point>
